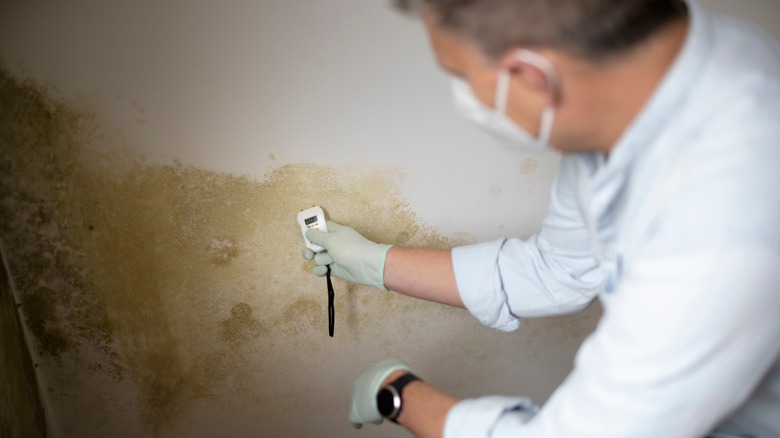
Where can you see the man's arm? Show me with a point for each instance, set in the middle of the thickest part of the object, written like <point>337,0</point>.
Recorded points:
<point>423,273</point>
<point>683,344</point>
<point>554,272</point>
<point>425,408</point>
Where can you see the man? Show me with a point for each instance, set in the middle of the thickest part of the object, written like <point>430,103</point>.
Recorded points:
<point>665,207</point>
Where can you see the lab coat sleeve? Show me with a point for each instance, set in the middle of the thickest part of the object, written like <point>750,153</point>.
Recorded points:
<point>683,344</point>
<point>480,415</point>
<point>553,272</point>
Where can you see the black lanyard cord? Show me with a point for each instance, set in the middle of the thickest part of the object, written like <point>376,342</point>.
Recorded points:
<point>331,309</point>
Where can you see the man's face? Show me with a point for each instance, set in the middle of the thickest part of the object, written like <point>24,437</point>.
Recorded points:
<point>464,59</point>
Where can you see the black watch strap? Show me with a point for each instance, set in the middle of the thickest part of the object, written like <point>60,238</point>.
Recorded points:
<point>391,397</point>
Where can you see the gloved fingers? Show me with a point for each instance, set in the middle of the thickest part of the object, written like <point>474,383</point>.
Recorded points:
<point>317,237</point>
<point>334,227</point>
<point>354,417</point>
<point>307,253</point>
<point>322,259</point>
<point>336,271</point>
<point>320,271</point>
<point>363,408</point>
<point>368,383</point>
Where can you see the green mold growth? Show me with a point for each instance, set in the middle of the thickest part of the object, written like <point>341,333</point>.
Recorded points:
<point>182,284</point>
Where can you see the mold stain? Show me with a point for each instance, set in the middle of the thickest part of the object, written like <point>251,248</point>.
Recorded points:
<point>185,283</point>
<point>495,191</point>
<point>462,238</point>
<point>528,166</point>
<point>44,320</point>
<point>21,412</point>
<point>222,251</point>
<point>241,327</point>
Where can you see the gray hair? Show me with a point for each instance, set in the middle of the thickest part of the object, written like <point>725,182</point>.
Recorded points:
<point>591,29</point>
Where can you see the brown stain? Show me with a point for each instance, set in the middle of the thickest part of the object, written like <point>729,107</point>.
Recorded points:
<point>127,269</point>
<point>21,412</point>
<point>241,327</point>
<point>222,250</point>
<point>187,285</point>
<point>528,166</point>
<point>43,319</point>
<point>298,316</point>
<point>462,238</point>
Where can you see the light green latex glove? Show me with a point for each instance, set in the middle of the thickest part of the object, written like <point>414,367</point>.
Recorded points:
<point>351,256</point>
<point>363,408</point>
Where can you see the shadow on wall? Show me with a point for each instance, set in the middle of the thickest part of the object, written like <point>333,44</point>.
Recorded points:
<point>21,414</point>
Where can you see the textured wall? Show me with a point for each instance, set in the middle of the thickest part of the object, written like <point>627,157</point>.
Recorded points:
<point>168,300</point>
<point>152,158</point>
<point>21,414</point>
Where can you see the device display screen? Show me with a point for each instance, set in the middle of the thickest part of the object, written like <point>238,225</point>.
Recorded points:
<point>310,220</point>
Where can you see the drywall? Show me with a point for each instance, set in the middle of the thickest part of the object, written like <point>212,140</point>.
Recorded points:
<point>153,157</point>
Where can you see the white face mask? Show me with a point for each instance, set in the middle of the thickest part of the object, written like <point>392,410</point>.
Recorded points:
<point>496,121</point>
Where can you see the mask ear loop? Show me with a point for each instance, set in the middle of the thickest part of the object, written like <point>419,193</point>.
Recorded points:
<point>546,125</point>
<point>502,91</point>
<point>548,114</point>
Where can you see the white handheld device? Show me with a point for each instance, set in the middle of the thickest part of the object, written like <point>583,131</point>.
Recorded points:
<point>312,219</point>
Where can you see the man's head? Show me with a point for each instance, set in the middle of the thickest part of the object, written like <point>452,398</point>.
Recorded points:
<point>591,29</point>
<point>478,39</point>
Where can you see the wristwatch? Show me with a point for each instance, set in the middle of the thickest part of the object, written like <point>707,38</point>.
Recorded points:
<point>389,399</point>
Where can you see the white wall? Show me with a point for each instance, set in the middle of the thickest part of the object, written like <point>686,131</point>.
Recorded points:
<point>246,87</point>
<point>338,82</point>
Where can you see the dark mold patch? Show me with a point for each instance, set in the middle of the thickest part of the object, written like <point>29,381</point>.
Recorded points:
<point>241,326</point>
<point>43,320</point>
<point>188,282</point>
<point>21,413</point>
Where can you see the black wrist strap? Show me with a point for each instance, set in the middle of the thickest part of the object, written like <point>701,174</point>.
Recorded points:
<point>331,309</point>
<point>399,385</point>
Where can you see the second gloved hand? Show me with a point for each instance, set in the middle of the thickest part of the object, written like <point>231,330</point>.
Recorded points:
<point>363,408</point>
<point>351,256</point>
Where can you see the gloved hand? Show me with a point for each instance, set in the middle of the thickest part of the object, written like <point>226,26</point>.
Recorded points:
<point>363,408</point>
<point>351,256</point>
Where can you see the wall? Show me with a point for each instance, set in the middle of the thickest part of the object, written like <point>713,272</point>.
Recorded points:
<point>152,159</point>
<point>21,414</point>
<point>169,300</point>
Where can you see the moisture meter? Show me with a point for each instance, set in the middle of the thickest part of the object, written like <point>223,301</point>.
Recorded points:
<point>312,219</point>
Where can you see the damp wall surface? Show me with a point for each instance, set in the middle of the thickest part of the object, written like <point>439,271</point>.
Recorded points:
<point>152,159</point>
<point>170,300</point>
<point>21,413</point>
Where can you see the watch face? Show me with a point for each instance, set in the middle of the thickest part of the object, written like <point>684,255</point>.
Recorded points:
<point>385,402</point>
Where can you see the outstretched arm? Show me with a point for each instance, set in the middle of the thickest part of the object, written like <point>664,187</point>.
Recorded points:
<point>423,273</point>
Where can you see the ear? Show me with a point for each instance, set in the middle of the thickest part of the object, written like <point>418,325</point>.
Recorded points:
<point>535,70</point>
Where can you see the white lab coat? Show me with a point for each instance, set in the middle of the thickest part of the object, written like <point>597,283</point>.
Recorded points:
<point>678,234</point>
